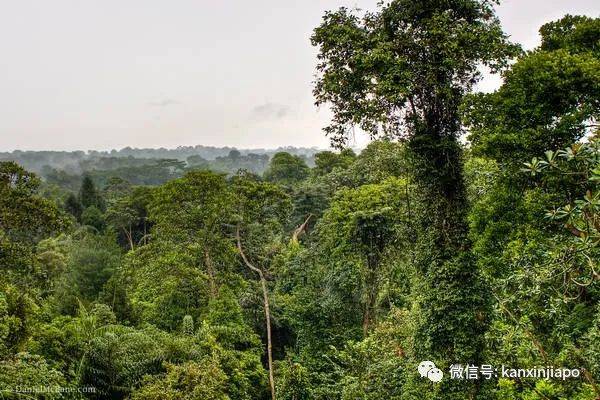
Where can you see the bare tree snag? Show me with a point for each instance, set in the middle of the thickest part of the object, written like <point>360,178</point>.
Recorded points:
<point>129,236</point>
<point>263,283</point>
<point>301,229</point>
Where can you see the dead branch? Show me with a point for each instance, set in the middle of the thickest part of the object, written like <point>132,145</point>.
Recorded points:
<point>301,229</point>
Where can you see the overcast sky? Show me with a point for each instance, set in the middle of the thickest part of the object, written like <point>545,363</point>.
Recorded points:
<point>103,74</point>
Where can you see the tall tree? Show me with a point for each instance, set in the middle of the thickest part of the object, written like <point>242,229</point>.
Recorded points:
<point>73,206</point>
<point>89,195</point>
<point>549,99</point>
<point>25,219</point>
<point>287,169</point>
<point>402,72</point>
<point>192,213</point>
<point>128,215</point>
<point>24,215</point>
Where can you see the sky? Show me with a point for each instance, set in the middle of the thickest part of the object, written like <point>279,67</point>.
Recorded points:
<point>104,74</point>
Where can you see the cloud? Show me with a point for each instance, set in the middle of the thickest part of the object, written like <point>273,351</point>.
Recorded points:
<point>164,103</point>
<point>270,110</point>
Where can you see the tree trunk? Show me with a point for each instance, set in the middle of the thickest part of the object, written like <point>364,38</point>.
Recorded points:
<point>450,290</point>
<point>263,283</point>
<point>129,237</point>
<point>145,233</point>
<point>370,312</point>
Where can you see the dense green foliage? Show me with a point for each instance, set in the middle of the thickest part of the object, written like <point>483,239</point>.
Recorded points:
<point>151,277</point>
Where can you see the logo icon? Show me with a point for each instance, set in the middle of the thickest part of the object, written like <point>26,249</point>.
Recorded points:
<point>427,369</point>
